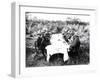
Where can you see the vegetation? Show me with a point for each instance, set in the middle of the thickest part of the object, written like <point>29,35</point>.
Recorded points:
<point>35,27</point>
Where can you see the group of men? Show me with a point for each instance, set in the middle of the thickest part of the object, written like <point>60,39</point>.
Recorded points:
<point>50,44</point>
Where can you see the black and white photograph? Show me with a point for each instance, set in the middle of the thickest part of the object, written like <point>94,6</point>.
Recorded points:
<point>54,39</point>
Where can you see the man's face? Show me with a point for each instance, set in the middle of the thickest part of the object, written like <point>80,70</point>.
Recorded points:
<point>68,36</point>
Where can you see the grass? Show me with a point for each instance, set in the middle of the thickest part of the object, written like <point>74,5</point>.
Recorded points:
<point>34,60</point>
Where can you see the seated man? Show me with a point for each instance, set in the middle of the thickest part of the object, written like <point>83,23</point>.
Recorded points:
<point>74,47</point>
<point>58,45</point>
<point>41,43</point>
